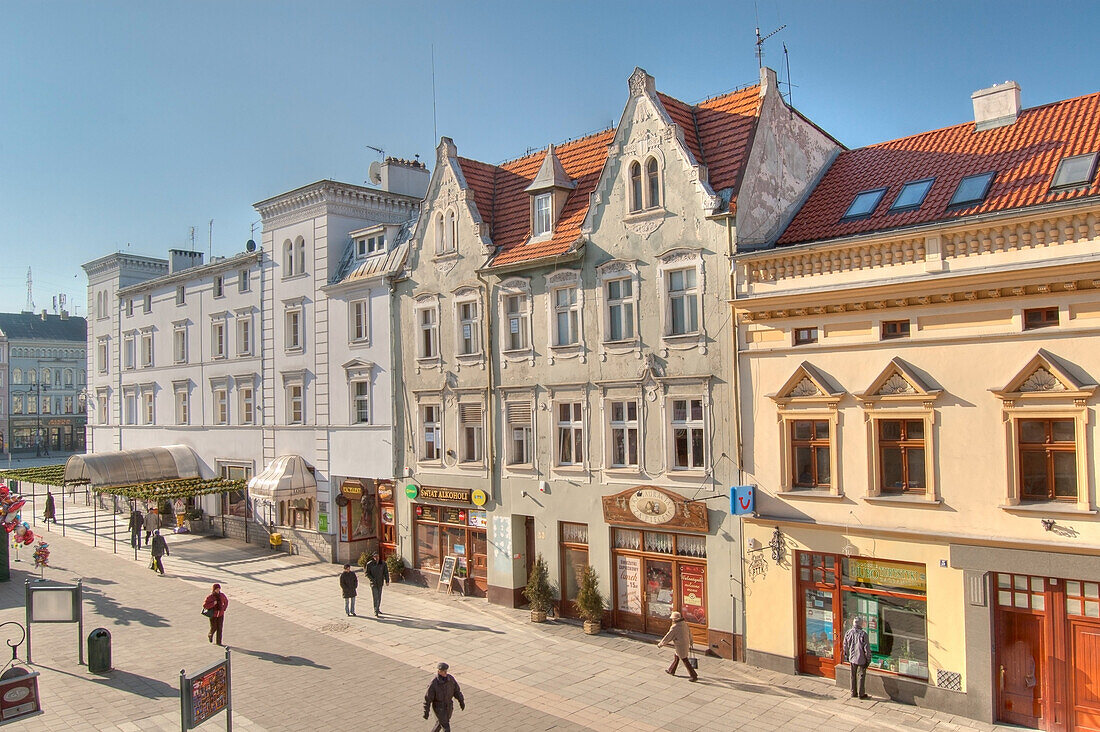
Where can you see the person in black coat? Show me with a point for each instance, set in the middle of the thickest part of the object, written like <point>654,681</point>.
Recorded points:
<point>377,573</point>
<point>50,513</point>
<point>160,549</point>
<point>440,699</point>
<point>348,583</point>
<point>137,522</point>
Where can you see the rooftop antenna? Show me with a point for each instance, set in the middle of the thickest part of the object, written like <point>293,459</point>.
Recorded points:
<point>30,299</point>
<point>435,123</point>
<point>192,239</point>
<point>210,242</point>
<point>790,89</point>
<point>760,44</point>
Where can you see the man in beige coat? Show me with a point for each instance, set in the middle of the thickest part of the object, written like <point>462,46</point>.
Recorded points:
<point>679,637</point>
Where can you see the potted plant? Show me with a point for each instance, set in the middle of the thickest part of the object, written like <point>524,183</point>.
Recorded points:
<point>396,566</point>
<point>538,591</point>
<point>590,601</point>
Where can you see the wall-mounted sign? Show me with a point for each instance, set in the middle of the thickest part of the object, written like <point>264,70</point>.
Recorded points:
<point>742,500</point>
<point>385,490</point>
<point>478,519</point>
<point>453,495</point>
<point>479,497</point>
<point>887,574</point>
<point>454,516</point>
<point>351,488</point>
<point>322,523</point>
<point>411,491</point>
<point>649,505</point>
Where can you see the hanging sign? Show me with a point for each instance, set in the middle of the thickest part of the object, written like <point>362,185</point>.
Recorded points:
<point>742,500</point>
<point>411,491</point>
<point>479,497</point>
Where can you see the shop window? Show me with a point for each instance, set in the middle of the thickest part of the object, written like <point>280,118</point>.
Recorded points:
<point>623,426</point>
<point>443,531</point>
<point>1047,454</point>
<point>901,455</point>
<point>518,418</point>
<point>811,444</point>
<point>427,546</point>
<point>1082,598</point>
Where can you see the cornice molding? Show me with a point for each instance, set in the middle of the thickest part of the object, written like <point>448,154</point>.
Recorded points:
<point>339,199</point>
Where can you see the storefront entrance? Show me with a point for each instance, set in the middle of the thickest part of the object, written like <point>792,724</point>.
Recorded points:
<point>443,531</point>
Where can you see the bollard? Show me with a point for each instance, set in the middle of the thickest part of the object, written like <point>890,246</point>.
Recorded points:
<point>99,651</point>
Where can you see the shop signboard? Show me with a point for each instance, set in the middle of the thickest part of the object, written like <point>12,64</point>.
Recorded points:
<point>19,695</point>
<point>629,571</point>
<point>450,495</point>
<point>205,694</point>
<point>385,490</point>
<point>352,488</point>
<point>887,574</point>
<point>447,573</point>
<point>411,491</point>
<point>479,497</point>
<point>387,515</point>
<point>742,500</point>
<point>648,506</point>
<point>692,581</point>
<point>322,523</point>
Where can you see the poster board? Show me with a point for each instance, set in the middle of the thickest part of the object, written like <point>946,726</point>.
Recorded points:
<point>205,694</point>
<point>19,696</point>
<point>447,573</point>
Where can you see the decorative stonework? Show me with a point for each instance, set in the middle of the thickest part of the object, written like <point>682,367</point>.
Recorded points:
<point>896,384</point>
<point>1042,380</point>
<point>645,227</point>
<point>805,388</point>
<point>638,82</point>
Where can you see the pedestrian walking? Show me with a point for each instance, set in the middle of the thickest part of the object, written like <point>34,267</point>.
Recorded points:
<point>348,583</point>
<point>857,652</point>
<point>377,573</point>
<point>159,550</point>
<point>152,523</point>
<point>137,523</point>
<point>440,698</point>
<point>50,513</point>
<point>214,607</point>
<point>679,637</point>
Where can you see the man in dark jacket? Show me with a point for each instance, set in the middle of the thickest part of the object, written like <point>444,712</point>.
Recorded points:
<point>440,699</point>
<point>160,549</point>
<point>348,583</point>
<point>137,521</point>
<point>377,573</point>
<point>857,651</point>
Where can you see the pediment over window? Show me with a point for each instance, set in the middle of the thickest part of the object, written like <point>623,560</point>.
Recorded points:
<point>357,368</point>
<point>808,384</point>
<point>1046,377</point>
<point>900,382</point>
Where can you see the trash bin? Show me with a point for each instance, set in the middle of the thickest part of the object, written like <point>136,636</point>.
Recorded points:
<point>276,540</point>
<point>99,651</point>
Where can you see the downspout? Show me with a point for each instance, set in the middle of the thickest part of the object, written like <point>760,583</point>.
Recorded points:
<point>398,453</point>
<point>738,447</point>
<point>490,412</point>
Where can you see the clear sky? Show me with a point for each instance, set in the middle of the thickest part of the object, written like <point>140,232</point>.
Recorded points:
<point>123,124</point>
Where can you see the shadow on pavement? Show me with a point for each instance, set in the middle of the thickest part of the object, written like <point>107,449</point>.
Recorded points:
<point>108,607</point>
<point>124,681</point>
<point>276,658</point>
<point>421,624</point>
<point>763,689</point>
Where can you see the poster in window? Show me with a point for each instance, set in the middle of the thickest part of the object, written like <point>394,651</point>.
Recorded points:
<point>362,512</point>
<point>387,515</point>
<point>429,513</point>
<point>629,571</point>
<point>454,516</point>
<point>344,523</point>
<point>692,582</point>
<point>478,519</point>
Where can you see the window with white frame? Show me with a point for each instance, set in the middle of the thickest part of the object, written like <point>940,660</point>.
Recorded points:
<point>148,403</point>
<point>103,406</point>
<point>452,231</point>
<point>360,402</point>
<point>543,210</point>
<point>219,286</point>
<point>103,361</point>
<point>518,423</point>
<point>129,307</point>
<point>288,258</point>
<point>67,377</point>
<point>516,322</point>
<point>246,402</point>
<point>300,256</point>
<point>17,376</point>
<point>369,245</point>
<point>130,406</point>
<point>430,444</point>
<point>129,350</point>
<point>244,334</point>
<point>360,321</point>
<point>653,183</point>
<point>243,284</point>
<point>683,301</point>
<point>295,403</point>
<point>620,309</point>
<point>67,405</point>
<point>688,434</point>
<point>47,377</point>
<point>427,318</point>
<point>293,331</point>
<point>471,432</point>
<point>183,404</point>
<point>146,348</point>
<point>47,407</point>
<point>217,338</point>
<point>181,295</point>
<point>623,426</point>
<point>179,344</point>
<point>469,341</point>
<point>148,304</point>
<point>570,434</point>
<point>440,239</point>
<point>32,404</point>
<point>566,316</point>
<point>17,404</point>
<point>221,404</point>
<point>636,193</point>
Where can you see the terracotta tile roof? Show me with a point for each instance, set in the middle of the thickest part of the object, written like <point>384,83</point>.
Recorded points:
<point>726,125</point>
<point>684,116</point>
<point>1024,155</point>
<point>479,176</point>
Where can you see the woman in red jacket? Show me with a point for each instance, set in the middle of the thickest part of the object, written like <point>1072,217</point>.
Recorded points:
<point>214,608</point>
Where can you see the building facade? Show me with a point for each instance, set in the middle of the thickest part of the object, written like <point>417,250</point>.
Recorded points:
<point>918,369</point>
<point>43,380</point>
<point>566,390</point>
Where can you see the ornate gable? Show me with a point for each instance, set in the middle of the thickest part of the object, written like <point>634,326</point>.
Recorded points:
<point>899,382</point>
<point>1045,377</point>
<point>807,384</point>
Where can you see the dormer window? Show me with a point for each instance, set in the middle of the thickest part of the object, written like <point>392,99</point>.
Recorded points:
<point>864,204</point>
<point>543,203</point>
<point>369,245</point>
<point>912,194</point>
<point>972,189</point>
<point>1075,171</point>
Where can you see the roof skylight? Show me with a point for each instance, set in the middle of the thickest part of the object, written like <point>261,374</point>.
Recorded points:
<point>1075,171</point>
<point>972,189</point>
<point>912,194</point>
<point>864,204</point>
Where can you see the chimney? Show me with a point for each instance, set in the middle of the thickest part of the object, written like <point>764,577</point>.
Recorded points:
<point>64,314</point>
<point>181,259</point>
<point>404,177</point>
<point>997,106</point>
<point>43,313</point>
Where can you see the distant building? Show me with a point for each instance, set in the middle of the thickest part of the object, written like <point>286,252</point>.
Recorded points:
<point>43,358</point>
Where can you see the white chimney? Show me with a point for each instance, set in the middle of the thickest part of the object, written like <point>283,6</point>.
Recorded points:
<point>997,106</point>
<point>404,177</point>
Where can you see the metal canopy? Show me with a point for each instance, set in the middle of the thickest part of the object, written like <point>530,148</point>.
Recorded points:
<point>287,476</point>
<point>130,467</point>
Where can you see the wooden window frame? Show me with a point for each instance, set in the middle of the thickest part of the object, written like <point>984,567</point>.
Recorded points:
<point>815,444</point>
<point>905,445</point>
<point>1044,319</point>
<point>1049,448</point>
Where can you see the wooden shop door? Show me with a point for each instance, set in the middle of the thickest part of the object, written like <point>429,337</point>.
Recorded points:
<point>1019,668</point>
<point>1085,676</point>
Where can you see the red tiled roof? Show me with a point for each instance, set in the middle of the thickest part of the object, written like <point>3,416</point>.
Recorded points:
<point>726,125</point>
<point>479,176</point>
<point>684,116</point>
<point>1024,155</point>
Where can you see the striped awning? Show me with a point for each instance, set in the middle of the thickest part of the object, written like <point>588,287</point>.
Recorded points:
<point>287,476</point>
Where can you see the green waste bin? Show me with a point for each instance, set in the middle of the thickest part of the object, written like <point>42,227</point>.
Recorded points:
<point>99,651</point>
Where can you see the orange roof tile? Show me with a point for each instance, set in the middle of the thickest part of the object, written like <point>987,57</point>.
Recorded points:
<point>1024,155</point>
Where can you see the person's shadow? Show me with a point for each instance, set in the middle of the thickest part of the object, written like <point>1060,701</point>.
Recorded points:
<point>280,659</point>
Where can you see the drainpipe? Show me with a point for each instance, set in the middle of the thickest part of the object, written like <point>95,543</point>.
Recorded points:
<point>738,446</point>
<point>490,366</point>
<point>398,453</point>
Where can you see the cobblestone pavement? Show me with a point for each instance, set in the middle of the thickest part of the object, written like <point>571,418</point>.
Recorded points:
<point>299,662</point>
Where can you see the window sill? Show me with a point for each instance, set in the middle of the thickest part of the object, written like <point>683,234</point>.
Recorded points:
<point>627,343</point>
<point>445,256</point>
<point>622,472</point>
<point>291,351</point>
<point>571,469</point>
<point>428,464</point>
<point>676,473</point>
<point>811,494</point>
<point>524,469</point>
<point>429,360</point>
<point>646,213</point>
<point>913,501</point>
<point>517,353</point>
<point>681,337</point>
<point>1051,507</point>
<point>569,349</point>
<point>296,276</point>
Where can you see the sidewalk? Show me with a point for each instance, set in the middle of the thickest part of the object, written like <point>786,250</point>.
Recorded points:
<point>299,661</point>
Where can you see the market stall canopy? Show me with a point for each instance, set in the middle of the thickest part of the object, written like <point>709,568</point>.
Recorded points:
<point>131,467</point>
<point>288,476</point>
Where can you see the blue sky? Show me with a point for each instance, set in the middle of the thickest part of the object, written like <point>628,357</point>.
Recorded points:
<point>123,124</point>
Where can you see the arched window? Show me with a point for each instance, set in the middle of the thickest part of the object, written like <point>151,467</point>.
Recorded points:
<point>440,244</point>
<point>653,183</point>
<point>17,376</point>
<point>68,377</point>
<point>47,377</point>
<point>452,231</point>
<point>80,375</point>
<point>301,258</point>
<point>32,376</point>
<point>288,258</point>
<point>635,186</point>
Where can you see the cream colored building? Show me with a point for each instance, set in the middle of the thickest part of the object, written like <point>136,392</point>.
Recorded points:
<point>918,362</point>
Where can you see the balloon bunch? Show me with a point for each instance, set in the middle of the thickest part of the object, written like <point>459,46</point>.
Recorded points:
<point>41,555</point>
<point>10,503</point>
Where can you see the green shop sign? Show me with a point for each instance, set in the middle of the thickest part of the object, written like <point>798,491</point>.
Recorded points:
<point>411,491</point>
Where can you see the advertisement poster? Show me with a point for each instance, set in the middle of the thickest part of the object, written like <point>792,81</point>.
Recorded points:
<point>630,584</point>
<point>209,694</point>
<point>692,582</point>
<point>478,519</point>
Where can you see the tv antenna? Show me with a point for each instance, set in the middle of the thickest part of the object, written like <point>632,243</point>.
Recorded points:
<point>760,44</point>
<point>30,297</point>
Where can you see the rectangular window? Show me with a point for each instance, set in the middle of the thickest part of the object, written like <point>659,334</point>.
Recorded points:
<point>219,286</point>
<point>67,405</point>
<point>361,399</point>
<point>149,405</point>
<point>971,189</point>
<point>810,446</point>
<point>566,317</point>
<point>243,284</point>
<point>129,351</point>
<point>359,320</point>
<point>104,413</point>
<point>179,345</point>
<point>570,434</point>
<point>542,214</point>
<point>131,406</point>
<point>515,318</point>
<point>912,194</point>
<point>46,405</point>
<point>429,334</point>
<point>864,204</point>
<point>429,422</point>
<point>148,304</point>
<point>246,402</point>
<point>518,419</point>
<point>1040,318</point>
<point>1047,459</point>
<point>624,433</point>
<point>102,360</point>
<point>1074,171</point>
<point>468,340</point>
<point>683,302</point>
<point>182,407</point>
<point>32,404</point>
<point>687,434</point>
<point>217,339</point>
<point>244,336</point>
<point>370,245</point>
<point>17,404</point>
<point>804,336</point>
<point>129,309</point>
<point>469,416</point>
<point>293,330</point>
<point>181,296</point>
<point>895,329</point>
<point>620,309</point>
<point>295,404</point>
<point>890,597</point>
<point>221,406</point>
<point>901,455</point>
<point>146,350</point>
